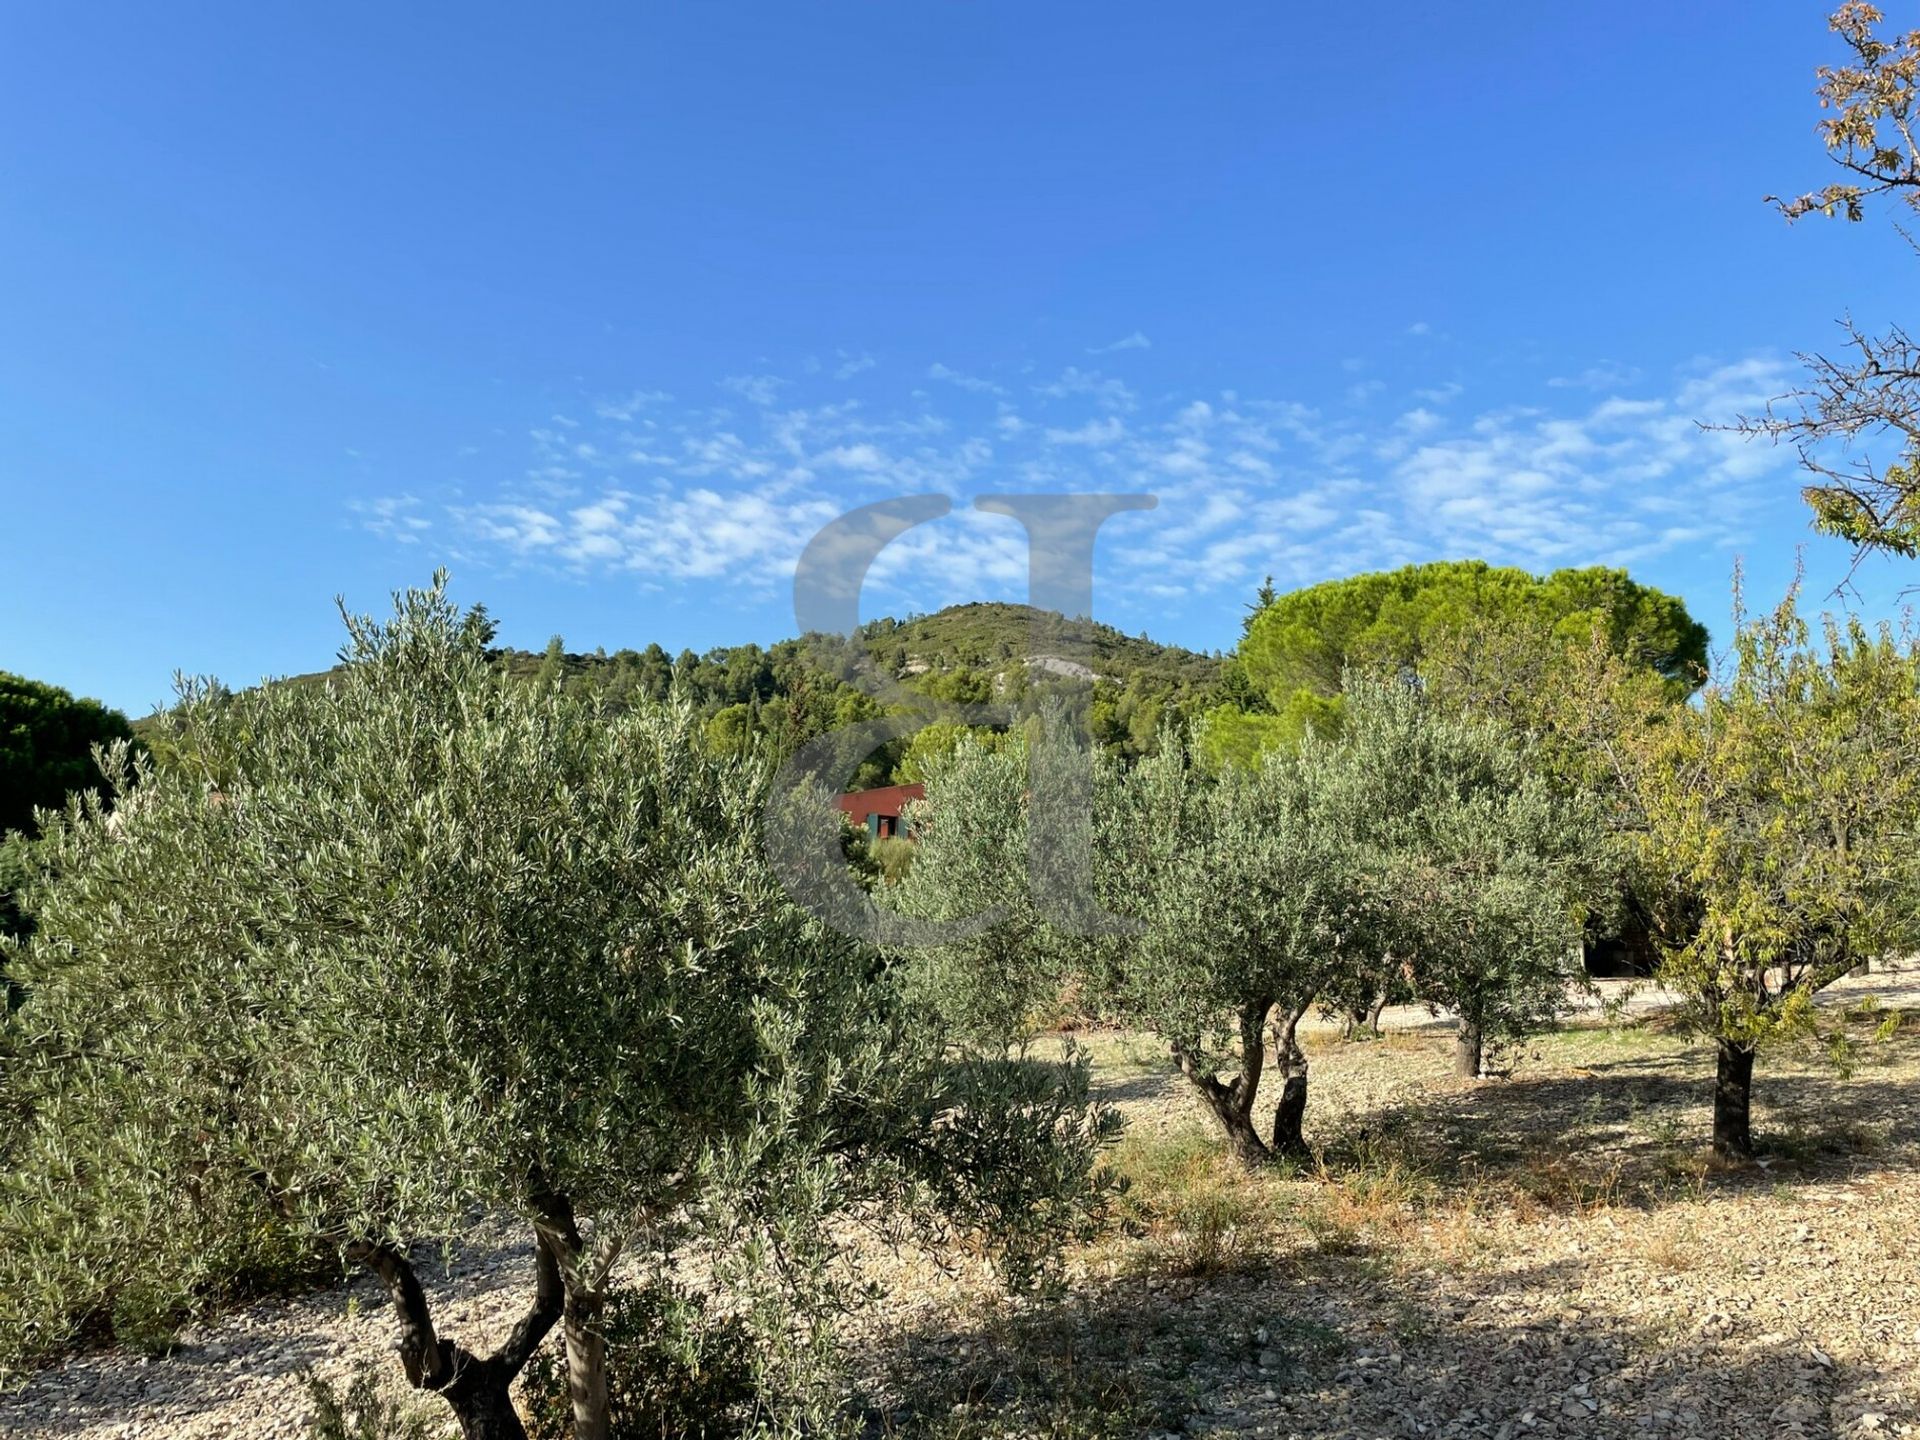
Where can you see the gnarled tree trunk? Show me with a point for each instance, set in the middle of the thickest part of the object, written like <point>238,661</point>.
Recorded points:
<point>1232,1102</point>
<point>1288,1138</point>
<point>1373,1012</point>
<point>475,1388</point>
<point>1733,1101</point>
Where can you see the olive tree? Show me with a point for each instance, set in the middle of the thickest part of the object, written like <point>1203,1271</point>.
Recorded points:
<point>426,939</point>
<point>1482,864</point>
<point>1783,814</point>
<point>1250,910</point>
<point>1002,966</point>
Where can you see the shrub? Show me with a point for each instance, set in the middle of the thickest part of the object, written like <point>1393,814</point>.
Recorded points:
<point>674,1370</point>
<point>364,1412</point>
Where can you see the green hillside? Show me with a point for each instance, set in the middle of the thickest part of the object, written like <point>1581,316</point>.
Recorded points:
<point>784,694</point>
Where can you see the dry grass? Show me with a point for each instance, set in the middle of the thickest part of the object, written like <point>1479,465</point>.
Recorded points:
<point>1188,1208</point>
<point>1567,1197</point>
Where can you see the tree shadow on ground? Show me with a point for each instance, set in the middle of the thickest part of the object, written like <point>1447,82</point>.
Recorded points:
<point>1147,1085</point>
<point>1633,1130</point>
<point>1329,1346</point>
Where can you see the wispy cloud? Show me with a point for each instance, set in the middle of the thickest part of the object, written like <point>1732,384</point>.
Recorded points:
<point>1135,341</point>
<point>761,390</point>
<point>1074,383</point>
<point>1604,376</point>
<point>937,371</point>
<point>666,493</point>
<point>392,517</point>
<point>852,365</point>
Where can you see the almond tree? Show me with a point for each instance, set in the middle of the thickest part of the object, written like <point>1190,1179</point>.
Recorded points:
<point>1784,815</point>
<point>365,957</point>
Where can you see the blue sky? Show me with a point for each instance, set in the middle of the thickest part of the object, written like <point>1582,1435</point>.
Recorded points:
<point>607,307</point>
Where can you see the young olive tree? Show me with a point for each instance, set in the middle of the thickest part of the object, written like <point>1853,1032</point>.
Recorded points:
<point>1482,865</point>
<point>1784,812</point>
<point>368,956</point>
<point>1250,910</point>
<point>1003,967</point>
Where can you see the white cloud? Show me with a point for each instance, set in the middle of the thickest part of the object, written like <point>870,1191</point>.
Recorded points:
<point>852,365</point>
<point>1094,432</point>
<point>761,390</point>
<point>1604,376</point>
<point>1135,341</point>
<point>937,371</point>
<point>854,457</point>
<point>1078,384</point>
<point>392,517</point>
<point>635,402</point>
<point>664,493</point>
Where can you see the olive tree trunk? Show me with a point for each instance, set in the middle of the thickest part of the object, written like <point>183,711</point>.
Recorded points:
<point>1373,1012</point>
<point>1231,1102</point>
<point>1469,1046</point>
<point>1288,1138</point>
<point>476,1388</point>
<point>587,1364</point>
<point>1733,1101</point>
<point>584,1270</point>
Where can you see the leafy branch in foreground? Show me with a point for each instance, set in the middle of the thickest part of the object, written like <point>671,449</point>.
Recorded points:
<point>1870,393</point>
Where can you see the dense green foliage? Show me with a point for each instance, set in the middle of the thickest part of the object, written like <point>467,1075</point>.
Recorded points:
<point>47,739</point>
<point>452,930</point>
<point>1289,668</point>
<point>1416,844</point>
<point>428,937</point>
<point>1252,905</point>
<point>1419,847</point>
<point>997,982</point>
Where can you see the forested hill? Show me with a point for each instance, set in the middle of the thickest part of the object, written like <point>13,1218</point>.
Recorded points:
<point>967,654</point>
<point>788,692</point>
<point>987,636</point>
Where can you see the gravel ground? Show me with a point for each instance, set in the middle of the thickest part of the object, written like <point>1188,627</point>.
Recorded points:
<point>1544,1255</point>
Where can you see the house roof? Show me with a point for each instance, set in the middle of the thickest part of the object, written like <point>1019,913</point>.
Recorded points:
<point>886,800</point>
